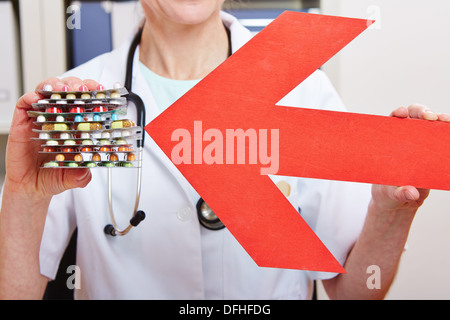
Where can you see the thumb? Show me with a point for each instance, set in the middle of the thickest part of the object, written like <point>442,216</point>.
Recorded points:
<point>76,178</point>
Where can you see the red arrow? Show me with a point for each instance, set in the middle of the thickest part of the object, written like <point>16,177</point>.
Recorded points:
<point>242,93</point>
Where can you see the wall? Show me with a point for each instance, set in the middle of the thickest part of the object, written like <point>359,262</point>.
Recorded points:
<point>403,60</point>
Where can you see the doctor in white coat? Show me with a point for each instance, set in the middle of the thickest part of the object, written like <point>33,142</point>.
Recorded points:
<point>170,255</point>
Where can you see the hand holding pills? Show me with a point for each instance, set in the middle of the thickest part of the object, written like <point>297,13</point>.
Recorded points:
<point>85,118</point>
<point>37,140</point>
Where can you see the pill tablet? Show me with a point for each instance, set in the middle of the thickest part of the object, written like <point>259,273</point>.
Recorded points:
<point>70,142</point>
<point>51,164</point>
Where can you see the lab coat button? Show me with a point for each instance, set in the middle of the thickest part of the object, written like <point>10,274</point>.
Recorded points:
<point>184,214</point>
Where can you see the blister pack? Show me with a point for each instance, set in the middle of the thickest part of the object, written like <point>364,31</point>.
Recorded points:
<point>86,128</point>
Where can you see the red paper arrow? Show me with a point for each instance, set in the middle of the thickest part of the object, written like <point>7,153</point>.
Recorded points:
<point>242,93</point>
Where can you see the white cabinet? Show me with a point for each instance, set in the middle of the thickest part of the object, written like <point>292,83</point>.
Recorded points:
<point>9,65</point>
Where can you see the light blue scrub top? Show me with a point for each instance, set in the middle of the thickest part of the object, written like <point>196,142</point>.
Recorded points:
<point>165,91</point>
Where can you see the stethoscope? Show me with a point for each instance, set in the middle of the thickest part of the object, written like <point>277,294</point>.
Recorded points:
<point>206,216</point>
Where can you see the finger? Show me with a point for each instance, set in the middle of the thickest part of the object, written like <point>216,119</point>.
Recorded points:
<point>92,84</point>
<point>401,112</point>
<point>51,84</point>
<point>418,111</point>
<point>74,84</point>
<point>76,178</point>
<point>20,116</point>
<point>405,194</point>
<point>444,117</point>
<point>57,181</point>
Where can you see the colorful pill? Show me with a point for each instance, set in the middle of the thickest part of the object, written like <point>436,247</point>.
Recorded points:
<point>69,142</point>
<point>71,164</point>
<point>96,157</point>
<point>53,110</point>
<point>64,135</point>
<point>87,126</point>
<point>78,157</point>
<point>76,110</point>
<point>122,124</point>
<point>106,135</point>
<point>52,143</point>
<point>44,135</point>
<point>55,96</point>
<point>100,109</point>
<point>51,164</point>
<point>107,164</point>
<point>104,142</point>
<point>67,149</point>
<point>113,157</point>
<point>60,157</point>
<point>121,141</point>
<point>125,164</point>
<point>89,164</point>
<point>131,157</point>
<point>87,142</point>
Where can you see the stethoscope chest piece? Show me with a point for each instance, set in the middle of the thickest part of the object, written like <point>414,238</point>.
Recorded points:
<point>207,217</point>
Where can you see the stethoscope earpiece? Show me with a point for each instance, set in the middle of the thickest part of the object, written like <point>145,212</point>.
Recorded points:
<point>207,217</point>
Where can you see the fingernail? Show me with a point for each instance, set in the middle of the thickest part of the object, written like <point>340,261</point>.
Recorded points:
<point>409,196</point>
<point>100,87</point>
<point>48,87</point>
<point>83,87</point>
<point>84,176</point>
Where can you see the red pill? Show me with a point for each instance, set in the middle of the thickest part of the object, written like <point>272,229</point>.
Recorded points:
<point>76,110</point>
<point>53,110</point>
<point>100,109</point>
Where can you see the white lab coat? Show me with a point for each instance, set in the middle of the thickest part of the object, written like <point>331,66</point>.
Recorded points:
<point>169,255</point>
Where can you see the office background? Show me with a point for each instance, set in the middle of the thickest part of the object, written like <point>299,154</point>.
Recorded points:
<point>402,59</point>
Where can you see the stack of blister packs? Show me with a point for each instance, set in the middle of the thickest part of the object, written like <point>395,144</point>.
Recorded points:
<point>85,128</point>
